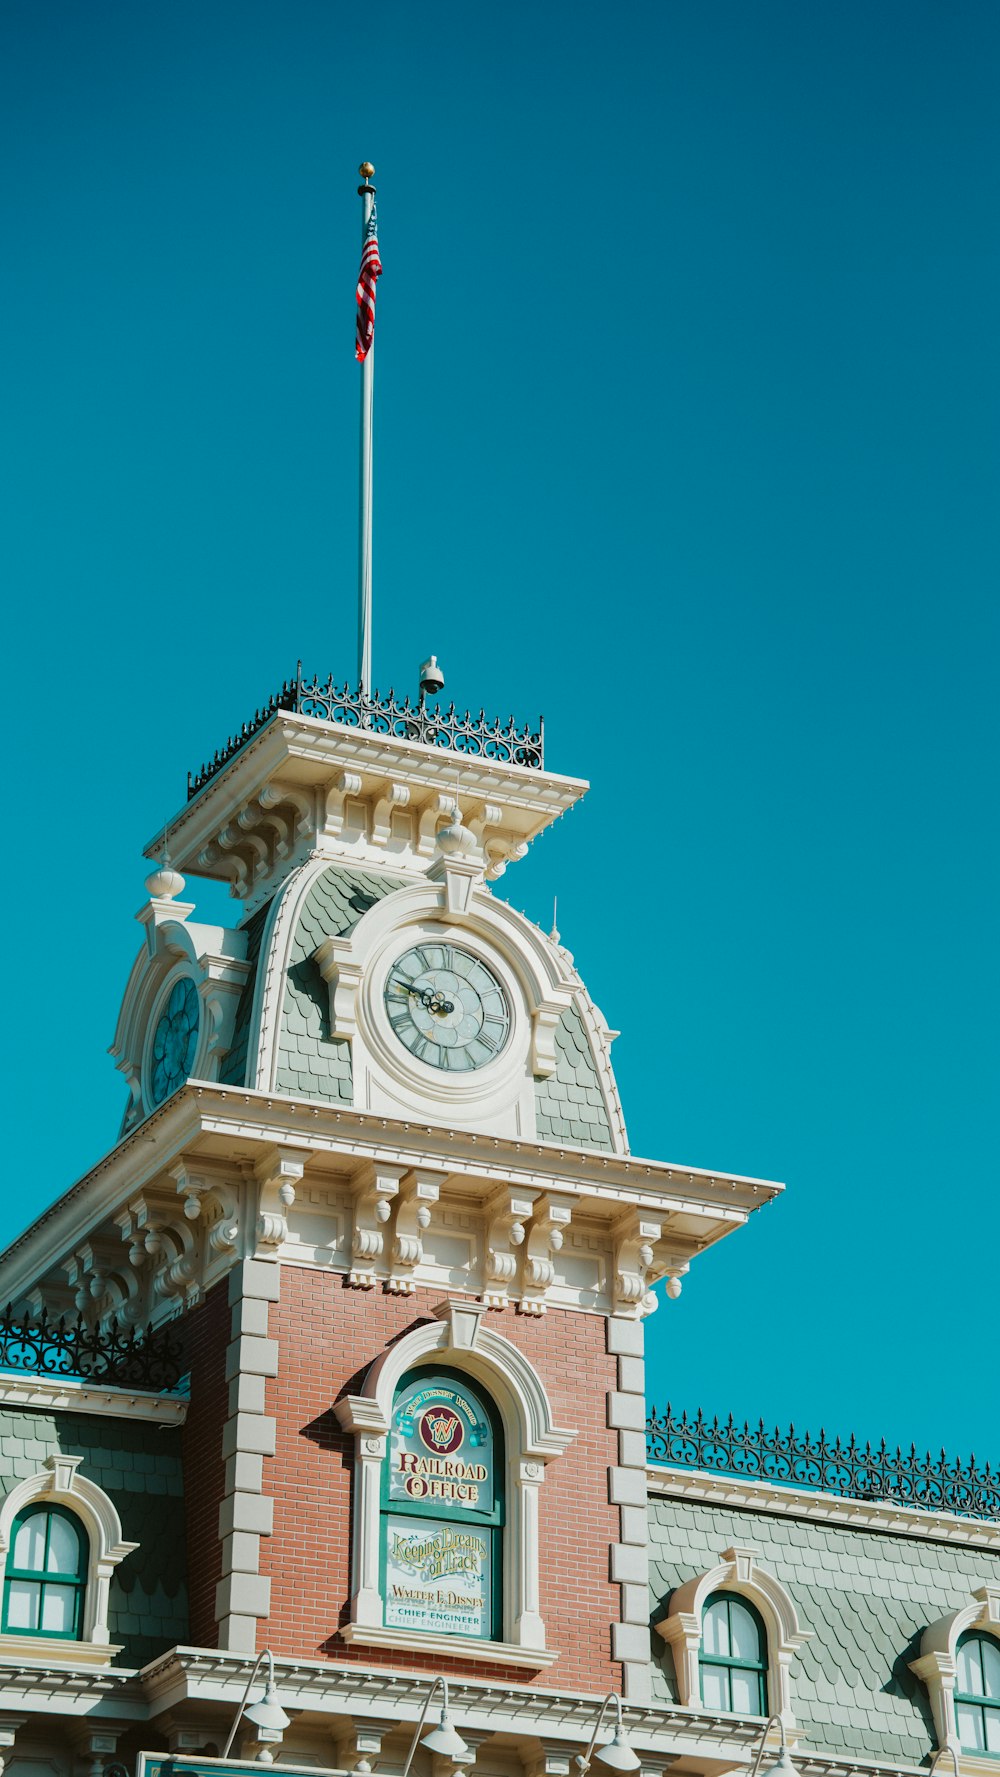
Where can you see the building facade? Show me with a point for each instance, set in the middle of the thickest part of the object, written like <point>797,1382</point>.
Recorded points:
<point>338,1351</point>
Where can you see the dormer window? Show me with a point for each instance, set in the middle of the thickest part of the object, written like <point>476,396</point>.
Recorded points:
<point>46,1572</point>
<point>733,1660</point>
<point>977,1693</point>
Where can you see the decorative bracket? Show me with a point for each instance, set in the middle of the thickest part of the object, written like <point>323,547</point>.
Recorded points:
<point>507,1210</point>
<point>376,1187</point>
<point>393,796</point>
<point>636,1236</point>
<point>418,1192</point>
<point>277,1174</point>
<point>552,1215</point>
<point>342,974</point>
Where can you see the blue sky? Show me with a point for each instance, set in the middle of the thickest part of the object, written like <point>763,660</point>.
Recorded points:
<point>686,434</point>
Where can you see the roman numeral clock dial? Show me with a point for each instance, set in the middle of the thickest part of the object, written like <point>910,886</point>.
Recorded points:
<point>446,1007</point>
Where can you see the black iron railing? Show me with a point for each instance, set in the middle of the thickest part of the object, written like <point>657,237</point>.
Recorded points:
<point>148,1358</point>
<point>857,1471</point>
<point>443,729</point>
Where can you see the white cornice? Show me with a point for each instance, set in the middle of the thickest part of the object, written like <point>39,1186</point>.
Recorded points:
<point>740,1493</point>
<point>523,1712</point>
<point>52,1393</point>
<point>242,1120</point>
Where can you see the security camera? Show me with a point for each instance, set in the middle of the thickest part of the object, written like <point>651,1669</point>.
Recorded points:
<point>431,678</point>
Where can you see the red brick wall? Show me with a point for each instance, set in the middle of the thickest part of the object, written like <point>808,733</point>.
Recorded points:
<point>328,1335</point>
<point>206,1334</point>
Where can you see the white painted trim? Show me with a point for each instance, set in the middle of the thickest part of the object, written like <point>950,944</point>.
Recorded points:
<point>58,1483</point>
<point>34,1651</point>
<point>455,1647</point>
<point>52,1393</point>
<point>738,1493</point>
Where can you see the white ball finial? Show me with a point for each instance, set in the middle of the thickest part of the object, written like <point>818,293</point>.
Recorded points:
<point>164,884</point>
<point>454,837</point>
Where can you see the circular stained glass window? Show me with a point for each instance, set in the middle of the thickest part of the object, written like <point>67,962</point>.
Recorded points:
<point>175,1041</point>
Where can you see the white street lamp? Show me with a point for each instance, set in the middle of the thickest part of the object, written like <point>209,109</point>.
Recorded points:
<point>942,1751</point>
<point>267,1714</point>
<point>781,1766</point>
<point>444,1738</point>
<point>618,1754</point>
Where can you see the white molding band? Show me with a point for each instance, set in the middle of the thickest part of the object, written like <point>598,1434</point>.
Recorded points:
<point>419,1641</point>
<point>738,1493</point>
<point>53,1394</point>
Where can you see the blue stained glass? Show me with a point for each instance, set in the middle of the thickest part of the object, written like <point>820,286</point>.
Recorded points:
<point>175,1041</point>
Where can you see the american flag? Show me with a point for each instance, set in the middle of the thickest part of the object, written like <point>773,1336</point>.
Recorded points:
<point>371,268</point>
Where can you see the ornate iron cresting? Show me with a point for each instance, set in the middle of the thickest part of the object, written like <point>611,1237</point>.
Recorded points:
<point>858,1472</point>
<point>440,728</point>
<point>152,1358</point>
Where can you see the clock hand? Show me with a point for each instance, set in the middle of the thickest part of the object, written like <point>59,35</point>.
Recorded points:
<point>431,1002</point>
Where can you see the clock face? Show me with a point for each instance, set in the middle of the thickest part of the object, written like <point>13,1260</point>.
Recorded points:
<point>175,1041</point>
<point>446,1007</point>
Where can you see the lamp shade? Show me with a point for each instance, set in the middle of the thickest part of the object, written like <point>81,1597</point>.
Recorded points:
<point>618,1754</point>
<point>781,1767</point>
<point>268,1713</point>
<point>446,1740</point>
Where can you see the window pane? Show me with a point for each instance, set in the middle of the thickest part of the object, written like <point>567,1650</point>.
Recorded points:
<point>970,1728</point>
<point>29,1544</point>
<point>970,1669</point>
<point>745,1634</point>
<point>64,1549</point>
<point>746,1692</point>
<point>992,1729</point>
<point>22,1604</point>
<point>991,1667</point>
<point>714,1689</point>
<point>59,1610</point>
<point>715,1628</point>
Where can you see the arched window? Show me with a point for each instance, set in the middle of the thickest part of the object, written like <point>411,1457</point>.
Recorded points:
<point>977,1693</point>
<point>443,1508</point>
<point>733,1659</point>
<point>46,1573</point>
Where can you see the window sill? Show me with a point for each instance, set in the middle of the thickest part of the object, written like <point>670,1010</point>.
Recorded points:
<point>457,1647</point>
<point>54,1650</point>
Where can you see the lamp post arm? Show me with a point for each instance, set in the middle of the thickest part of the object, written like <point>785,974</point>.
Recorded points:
<point>583,1763</point>
<point>939,1755</point>
<point>443,1682</point>
<point>265,1654</point>
<point>772,1721</point>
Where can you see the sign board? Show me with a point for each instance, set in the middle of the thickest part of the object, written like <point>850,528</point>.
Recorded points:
<point>441,1448</point>
<point>438,1576</point>
<point>441,1540</point>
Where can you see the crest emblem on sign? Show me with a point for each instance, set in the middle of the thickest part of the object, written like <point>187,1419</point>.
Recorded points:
<point>441,1430</point>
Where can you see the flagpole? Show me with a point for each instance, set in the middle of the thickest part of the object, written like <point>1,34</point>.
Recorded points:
<point>366,192</point>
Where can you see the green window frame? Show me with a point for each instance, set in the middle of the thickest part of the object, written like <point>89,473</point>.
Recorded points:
<point>732,1664</point>
<point>977,1693</point>
<point>490,1524</point>
<point>51,1584</point>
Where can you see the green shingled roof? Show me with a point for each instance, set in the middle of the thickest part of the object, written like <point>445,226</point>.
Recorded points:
<point>311,1063</point>
<point>139,1467</point>
<point>569,1105</point>
<point>233,1071</point>
<point>867,1598</point>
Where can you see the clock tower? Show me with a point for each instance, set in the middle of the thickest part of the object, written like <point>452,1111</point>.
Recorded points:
<point>373,1178</point>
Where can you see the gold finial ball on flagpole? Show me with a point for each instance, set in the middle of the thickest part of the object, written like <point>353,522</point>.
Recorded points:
<point>366,169</point>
